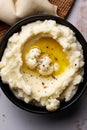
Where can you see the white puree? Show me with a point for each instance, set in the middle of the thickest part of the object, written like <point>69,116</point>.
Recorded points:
<point>43,81</point>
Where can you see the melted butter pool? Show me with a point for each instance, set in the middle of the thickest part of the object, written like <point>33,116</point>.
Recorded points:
<point>50,47</point>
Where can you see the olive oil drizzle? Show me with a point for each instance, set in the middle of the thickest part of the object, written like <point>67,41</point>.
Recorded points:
<point>50,47</point>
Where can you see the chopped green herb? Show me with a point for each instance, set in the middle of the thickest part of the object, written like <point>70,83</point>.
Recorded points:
<point>56,59</point>
<point>42,52</point>
<point>53,77</point>
<point>46,46</point>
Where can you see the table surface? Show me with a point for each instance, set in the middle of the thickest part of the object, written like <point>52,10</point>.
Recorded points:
<point>75,118</point>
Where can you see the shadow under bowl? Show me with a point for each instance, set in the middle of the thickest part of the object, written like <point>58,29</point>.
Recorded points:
<point>16,28</point>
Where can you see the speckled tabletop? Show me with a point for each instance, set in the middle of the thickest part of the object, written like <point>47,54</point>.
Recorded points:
<point>75,118</point>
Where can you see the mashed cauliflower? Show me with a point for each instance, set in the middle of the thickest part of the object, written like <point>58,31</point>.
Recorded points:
<point>32,58</point>
<point>43,64</point>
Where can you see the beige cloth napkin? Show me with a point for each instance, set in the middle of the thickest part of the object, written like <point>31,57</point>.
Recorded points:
<point>13,10</point>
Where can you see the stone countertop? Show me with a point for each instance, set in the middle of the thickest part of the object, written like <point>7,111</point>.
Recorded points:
<point>75,118</point>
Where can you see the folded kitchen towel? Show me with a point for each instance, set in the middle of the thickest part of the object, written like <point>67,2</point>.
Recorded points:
<point>14,10</point>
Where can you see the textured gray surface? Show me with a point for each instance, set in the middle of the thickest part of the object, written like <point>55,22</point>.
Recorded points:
<point>12,117</point>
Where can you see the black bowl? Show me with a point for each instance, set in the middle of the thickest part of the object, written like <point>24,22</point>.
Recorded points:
<point>16,28</point>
